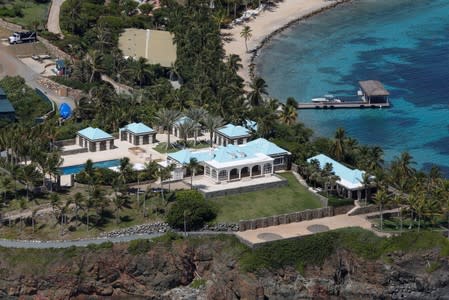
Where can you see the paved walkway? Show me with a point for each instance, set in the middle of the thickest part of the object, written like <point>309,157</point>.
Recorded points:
<point>287,231</point>
<point>53,17</point>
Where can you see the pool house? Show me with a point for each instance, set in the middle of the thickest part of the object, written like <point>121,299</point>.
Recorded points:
<point>350,181</point>
<point>231,134</point>
<point>94,139</point>
<point>137,134</point>
<point>234,162</point>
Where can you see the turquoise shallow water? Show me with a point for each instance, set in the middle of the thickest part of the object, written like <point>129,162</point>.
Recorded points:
<point>402,43</point>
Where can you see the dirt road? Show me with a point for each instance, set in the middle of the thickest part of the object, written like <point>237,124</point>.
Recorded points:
<point>53,17</point>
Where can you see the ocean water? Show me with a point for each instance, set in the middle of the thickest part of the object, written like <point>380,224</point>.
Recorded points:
<point>402,43</point>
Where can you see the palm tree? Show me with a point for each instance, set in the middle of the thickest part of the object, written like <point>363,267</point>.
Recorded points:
<point>29,175</point>
<point>185,129</point>
<point>33,217</point>
<point>381,199</point>
<point>291,102</point>
<point>219,18</point>
<point>258,89</point>
<point>141,70</point>
<point>288,115</point>
<point>212,123</point>
<point>338,145</point>
<point>366,181</point>
<point>55,205</point>
<point>78,200</point>
<point>234,62</point>
<point>125,169</point>
<point>193,166</point>
<point>96,63</point>
<point>196,115</point>
<point>246,33</point>
<point>167,118</point>
<point>119,202</point>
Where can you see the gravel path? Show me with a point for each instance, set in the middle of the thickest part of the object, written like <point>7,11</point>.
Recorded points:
<point>53,17</point>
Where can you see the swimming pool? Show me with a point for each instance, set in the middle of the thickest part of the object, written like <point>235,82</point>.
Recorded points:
<point>78,168</point>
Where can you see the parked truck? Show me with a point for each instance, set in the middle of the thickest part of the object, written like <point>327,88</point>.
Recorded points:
<point>23,37</point>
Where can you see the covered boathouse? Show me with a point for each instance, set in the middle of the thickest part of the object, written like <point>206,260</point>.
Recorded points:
<point>373,92</point>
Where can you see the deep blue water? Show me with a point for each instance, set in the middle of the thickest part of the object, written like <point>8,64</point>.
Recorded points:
<point>78,168</point>
<point>402,43</point>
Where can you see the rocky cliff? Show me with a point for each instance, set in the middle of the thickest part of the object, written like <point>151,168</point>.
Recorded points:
<point>211,268</point>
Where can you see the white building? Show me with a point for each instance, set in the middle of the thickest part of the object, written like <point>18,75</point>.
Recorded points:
<point>234,162</point>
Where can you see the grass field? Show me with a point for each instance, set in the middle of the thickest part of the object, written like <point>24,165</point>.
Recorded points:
<point>32,12</point>
<point>290,198</point>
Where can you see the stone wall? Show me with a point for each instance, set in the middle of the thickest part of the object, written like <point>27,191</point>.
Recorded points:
<point>63,143</point>
<point>244,189</point>
<point>308,214</point>
<point>53,50</point>
<point>75,151</point>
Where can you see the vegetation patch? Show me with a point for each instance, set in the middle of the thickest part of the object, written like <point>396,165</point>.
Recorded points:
<point>30,14</point>
<point>198,283</point>
<point>268,202</point>
<point>314,249</point>
<point>139,246</point>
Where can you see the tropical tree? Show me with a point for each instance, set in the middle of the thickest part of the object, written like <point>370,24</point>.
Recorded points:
<point>185,129</point>
<point>196,115</point>
<point>288,115</point>
<point>119,202</point>
<point>234,62</point>
<point>167,118</point>
<point>29,175</point>
<point>338,144</point>
<point>212,123</point>
<point>78,201</point>
<point>246,33</point>
<point>193,167</point>
<point>141,71</point>
<point>258,88</point>
<point>381,199</point>
<point>96,63</point>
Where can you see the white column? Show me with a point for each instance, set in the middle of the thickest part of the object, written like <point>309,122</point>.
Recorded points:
<point>141,140</point>
<point>97,146</point>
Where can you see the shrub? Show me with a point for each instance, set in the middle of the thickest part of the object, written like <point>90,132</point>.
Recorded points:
<point>139,247</point>
<point>191,207</point>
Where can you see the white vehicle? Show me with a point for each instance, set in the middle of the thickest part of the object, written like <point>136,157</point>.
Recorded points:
<point>22,37</point>
<point>326,99</point>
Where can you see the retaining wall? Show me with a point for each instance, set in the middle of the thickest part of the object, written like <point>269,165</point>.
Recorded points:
<point>364,210</point>
<point>244,189</point>
<point>308,214</point>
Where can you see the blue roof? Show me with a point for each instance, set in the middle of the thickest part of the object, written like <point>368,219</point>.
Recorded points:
<point>230,152</point>
<point>348,177</point>
<point>266,147</point>
<point>233,131</point>
<point>60,63</point>
<point>138,128</point>
<point>182,120</point>
<point>6,106</point>
<point>94,134</point>
<point>251,125</point>
<point>2,94</point>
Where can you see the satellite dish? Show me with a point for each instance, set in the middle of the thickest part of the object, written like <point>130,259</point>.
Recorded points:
<point>65,111</point>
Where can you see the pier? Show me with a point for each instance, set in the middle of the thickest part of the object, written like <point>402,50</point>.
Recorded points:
<point>350,104</point>
<point>372,95</point>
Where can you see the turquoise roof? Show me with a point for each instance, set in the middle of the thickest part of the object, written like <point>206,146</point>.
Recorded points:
<point>2,94</point>
<point>266,147</point>
<point>6,106</point>
<point>182,120</point>
<point>94,134</point>
<point>230,152</point>
<point>251,125</point>
<point>348,177</point>
<point>233,131</point>
<point>138,128</point>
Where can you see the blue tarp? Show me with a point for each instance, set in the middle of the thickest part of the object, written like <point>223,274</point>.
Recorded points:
<point>65,111</point>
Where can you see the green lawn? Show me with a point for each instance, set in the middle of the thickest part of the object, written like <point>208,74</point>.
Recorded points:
<point>291,198</point>
<point>32,12</point>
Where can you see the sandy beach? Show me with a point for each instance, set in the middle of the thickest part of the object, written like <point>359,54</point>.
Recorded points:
<point>269,21</point>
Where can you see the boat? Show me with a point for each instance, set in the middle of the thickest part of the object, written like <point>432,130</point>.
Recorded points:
<point>326,99</point>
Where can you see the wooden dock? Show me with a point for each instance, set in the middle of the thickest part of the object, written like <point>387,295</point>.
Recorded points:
<point>349,104</point>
